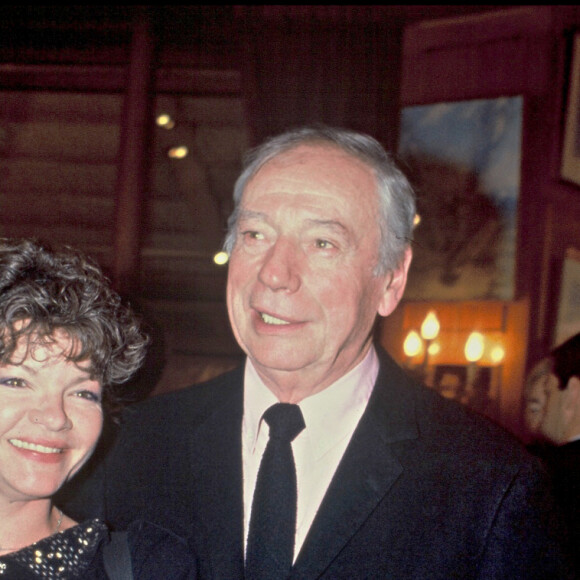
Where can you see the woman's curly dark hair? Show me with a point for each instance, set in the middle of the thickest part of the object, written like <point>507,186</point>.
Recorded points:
<point>44,290</point>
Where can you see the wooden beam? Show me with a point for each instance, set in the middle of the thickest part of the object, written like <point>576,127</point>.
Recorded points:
<point>132,177</point>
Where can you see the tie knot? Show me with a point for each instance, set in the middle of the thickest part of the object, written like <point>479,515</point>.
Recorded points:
<point>285,421</point>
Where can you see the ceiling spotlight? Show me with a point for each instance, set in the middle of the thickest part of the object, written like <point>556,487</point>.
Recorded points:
<point>178,152</point>
<point>221,258</point>
<point>164,120</point>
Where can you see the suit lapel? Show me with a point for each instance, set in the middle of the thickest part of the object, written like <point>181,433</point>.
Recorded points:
<point>216,459</point>
<point>364,476</point>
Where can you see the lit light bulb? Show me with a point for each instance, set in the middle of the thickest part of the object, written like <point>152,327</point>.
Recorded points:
<point>497,354</point>
<point>474,347</point>
<point>221,258</point>
<point>434,348</point>
<point>430,327</point>
<point>164,120</point>
<point>412,344</point>
<point>178,152</point>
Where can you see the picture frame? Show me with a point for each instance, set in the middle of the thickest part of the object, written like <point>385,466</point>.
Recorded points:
<point>450,380</point>
<point>475,386</point>
<point>467,156</point>
<point>570,164</point>
<point>568,306</point>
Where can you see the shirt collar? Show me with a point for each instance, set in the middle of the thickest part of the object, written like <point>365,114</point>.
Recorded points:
<point>330,414</point>
<point>257,398</point>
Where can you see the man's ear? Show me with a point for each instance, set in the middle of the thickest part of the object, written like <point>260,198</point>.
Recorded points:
<point>395,283</point>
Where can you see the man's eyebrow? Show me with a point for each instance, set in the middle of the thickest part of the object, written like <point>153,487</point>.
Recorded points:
<point>331,224</point>
<point>248,214</point>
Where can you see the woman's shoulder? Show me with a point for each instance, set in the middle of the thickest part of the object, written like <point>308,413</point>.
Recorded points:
<point>81,550</point>
<point>66,554</point>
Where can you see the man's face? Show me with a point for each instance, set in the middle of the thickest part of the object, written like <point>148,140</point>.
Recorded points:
<point>535,395</point>
<point>554,424</point>
<point>302,296</point>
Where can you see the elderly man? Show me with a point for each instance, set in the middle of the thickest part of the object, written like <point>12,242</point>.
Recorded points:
<point>320,458</point>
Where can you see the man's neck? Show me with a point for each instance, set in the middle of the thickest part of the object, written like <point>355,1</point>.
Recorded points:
<point>295,386</point>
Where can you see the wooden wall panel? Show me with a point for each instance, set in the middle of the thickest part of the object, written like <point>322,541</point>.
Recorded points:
<point>517,50</point>
<point>506,52</point>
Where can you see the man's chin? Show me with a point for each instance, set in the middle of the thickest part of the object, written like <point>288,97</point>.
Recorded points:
<point>279,364</point>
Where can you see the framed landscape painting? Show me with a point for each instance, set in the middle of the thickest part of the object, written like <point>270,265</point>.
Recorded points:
<point>464,161</point>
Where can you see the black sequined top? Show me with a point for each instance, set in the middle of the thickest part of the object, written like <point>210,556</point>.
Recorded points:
<point>66,554</point>
<point>77,553</point>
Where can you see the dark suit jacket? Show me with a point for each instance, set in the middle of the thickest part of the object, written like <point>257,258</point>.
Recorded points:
<point>563,464</point>
<point>426,490</point>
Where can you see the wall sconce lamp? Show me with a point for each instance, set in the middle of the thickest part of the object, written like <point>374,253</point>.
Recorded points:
<point>474,347</point>
<point>429,331</point>
<point>412,345</point>
<point>473,352</point>
<point>497,354</point>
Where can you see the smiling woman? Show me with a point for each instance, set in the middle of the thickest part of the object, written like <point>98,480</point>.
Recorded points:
<point>66,341</point>
<point>50,418</point>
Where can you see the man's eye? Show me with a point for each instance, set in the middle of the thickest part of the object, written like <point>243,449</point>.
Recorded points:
<point>324,244</point>
<point>13,382</point>
<point>253,235</point>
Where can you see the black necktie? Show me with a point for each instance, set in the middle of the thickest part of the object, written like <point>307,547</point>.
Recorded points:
<point>270,548</point>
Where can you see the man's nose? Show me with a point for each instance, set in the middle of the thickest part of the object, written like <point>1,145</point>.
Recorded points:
<point>281,267</point>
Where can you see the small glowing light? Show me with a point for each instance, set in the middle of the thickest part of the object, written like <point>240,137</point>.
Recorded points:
<point>178,152</point>
<point>434,349</point>
<point>221,258</point>
<point>412,344</point>
<point>474,347</point>
<point>165,121</point>
<point>430,327</point>
<point>416,220</point>
<point>497,354</point>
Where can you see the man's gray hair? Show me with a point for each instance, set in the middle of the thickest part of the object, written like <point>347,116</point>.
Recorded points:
<point>397,205</point>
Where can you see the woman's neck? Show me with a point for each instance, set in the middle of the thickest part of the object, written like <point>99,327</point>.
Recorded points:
<point>24,523</point>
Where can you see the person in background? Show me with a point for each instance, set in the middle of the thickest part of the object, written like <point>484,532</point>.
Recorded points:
<point>66,343</point>
<point>320,457</point>
<point>535,404</point>
<point>560,426</point>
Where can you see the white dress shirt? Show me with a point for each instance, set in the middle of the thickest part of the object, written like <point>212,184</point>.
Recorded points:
<point>331,417</point>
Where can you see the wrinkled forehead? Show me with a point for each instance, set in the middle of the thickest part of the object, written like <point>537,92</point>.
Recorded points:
<point>316,176</point>
<point>319,162</point>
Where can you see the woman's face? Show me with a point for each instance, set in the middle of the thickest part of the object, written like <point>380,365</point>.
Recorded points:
<point>50,419</point>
